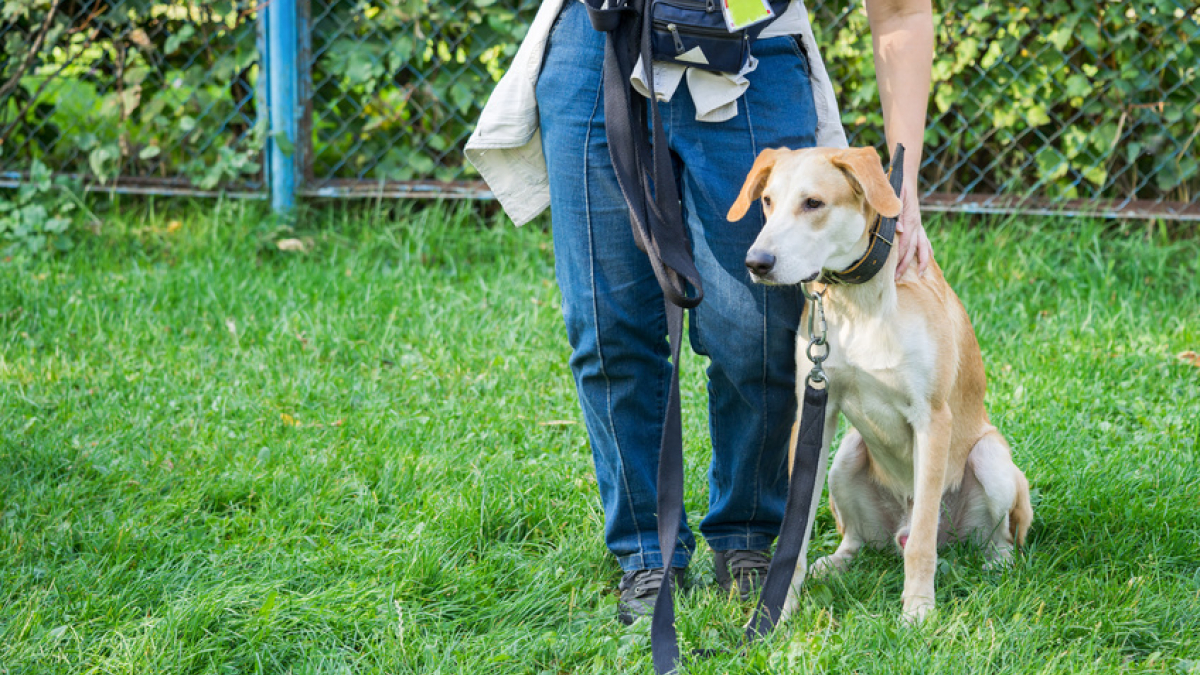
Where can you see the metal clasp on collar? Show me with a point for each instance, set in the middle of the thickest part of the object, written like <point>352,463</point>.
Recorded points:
<point>817,334</point>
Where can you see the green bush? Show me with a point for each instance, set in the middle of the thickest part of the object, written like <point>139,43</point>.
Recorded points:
<point>41,215</point>
<point>399,84</point>
<point>159,91</point>
<point>1065,99</point>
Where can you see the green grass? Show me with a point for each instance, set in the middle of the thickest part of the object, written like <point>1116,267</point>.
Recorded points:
<point>217,457</point>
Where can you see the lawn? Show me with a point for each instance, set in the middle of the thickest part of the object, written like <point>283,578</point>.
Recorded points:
<point>365,456</point>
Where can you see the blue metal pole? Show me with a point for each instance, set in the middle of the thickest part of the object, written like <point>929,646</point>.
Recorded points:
<point>282,104</point>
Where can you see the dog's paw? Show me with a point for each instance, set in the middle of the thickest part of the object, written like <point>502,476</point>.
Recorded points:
<point>999,559</point>
<point>916,611</point>
<point>830,564</point>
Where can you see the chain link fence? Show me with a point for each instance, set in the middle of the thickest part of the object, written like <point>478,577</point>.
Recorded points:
<point>1082,107</point>
<point>135,93</point>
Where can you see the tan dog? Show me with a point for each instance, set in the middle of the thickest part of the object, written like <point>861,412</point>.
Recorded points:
<point>923,465</point>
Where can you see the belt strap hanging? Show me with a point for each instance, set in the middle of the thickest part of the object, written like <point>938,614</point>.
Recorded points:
<point>647,180</point>
<point>644,170</point>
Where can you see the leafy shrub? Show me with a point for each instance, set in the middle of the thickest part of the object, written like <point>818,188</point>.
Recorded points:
<point>39,216</point>
<point>1065,99</point>
<point>136,88</point>
<point>399,84</point>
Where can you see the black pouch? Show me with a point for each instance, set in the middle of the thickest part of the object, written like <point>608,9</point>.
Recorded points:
<point>679,27</point>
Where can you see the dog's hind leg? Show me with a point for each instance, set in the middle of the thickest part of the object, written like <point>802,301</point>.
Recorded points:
<point>994,508</point>
<point>865,514</point>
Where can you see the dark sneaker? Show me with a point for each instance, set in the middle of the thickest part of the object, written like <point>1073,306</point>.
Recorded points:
<point>748,569</point>
<point>639,590</point>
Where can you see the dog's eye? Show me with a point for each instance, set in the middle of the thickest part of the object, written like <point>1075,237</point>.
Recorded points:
<point>766,201</point>
<point>813,204</point>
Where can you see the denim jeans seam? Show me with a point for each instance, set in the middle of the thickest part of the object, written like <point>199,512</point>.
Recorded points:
<point>801,52</point>
<point>762,431</point>
<point>670,124</point>
<point>608,396</point>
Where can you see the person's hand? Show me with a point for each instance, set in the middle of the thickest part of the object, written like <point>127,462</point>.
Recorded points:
<point>911,240</point>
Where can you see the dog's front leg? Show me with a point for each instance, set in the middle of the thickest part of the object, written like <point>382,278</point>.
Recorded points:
<point>831,419</point>
<point>930,454</point>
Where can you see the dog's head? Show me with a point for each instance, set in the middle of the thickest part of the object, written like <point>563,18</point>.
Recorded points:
<point>819,204</point>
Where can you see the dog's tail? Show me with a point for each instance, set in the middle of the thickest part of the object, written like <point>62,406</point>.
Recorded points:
<point>1021,516</point>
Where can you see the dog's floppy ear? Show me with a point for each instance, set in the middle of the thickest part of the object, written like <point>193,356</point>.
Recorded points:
<point>756,180</point>
<point>862,166</point>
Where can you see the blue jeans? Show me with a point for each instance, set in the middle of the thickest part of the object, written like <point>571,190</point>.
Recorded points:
<point>613,306</point>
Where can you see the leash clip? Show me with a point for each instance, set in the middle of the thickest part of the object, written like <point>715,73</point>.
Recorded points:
<point>817,334</point>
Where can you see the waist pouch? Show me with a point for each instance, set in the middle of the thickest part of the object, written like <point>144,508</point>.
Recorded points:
<point>680,27</point>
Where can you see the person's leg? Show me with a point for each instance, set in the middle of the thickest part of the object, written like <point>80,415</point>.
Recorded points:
<point>748,330</point>
<point>612,304</point>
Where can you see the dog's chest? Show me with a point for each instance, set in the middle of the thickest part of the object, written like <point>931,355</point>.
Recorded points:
<point>880,377</point>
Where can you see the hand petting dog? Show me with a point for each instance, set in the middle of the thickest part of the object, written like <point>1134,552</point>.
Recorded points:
<point>911,240</point>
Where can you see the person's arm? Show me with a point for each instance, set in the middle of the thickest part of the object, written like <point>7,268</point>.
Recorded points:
<point>902,35</point>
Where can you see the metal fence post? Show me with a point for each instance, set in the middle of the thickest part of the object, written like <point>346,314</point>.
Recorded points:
<point>279,26</point>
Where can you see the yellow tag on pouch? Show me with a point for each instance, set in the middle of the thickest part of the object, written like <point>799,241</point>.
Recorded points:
<point>742,13</point>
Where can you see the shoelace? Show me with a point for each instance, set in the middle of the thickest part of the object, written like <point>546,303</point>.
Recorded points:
<point>644,582</point>
<point>741,562</point>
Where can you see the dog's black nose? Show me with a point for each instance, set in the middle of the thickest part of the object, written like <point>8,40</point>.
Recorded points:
<point>759,262</point>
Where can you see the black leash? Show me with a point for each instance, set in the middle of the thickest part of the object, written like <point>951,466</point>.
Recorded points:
<point>802,491</point>
<point>647,181</point>
<point>664,644</point>
<point>802,480</point>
